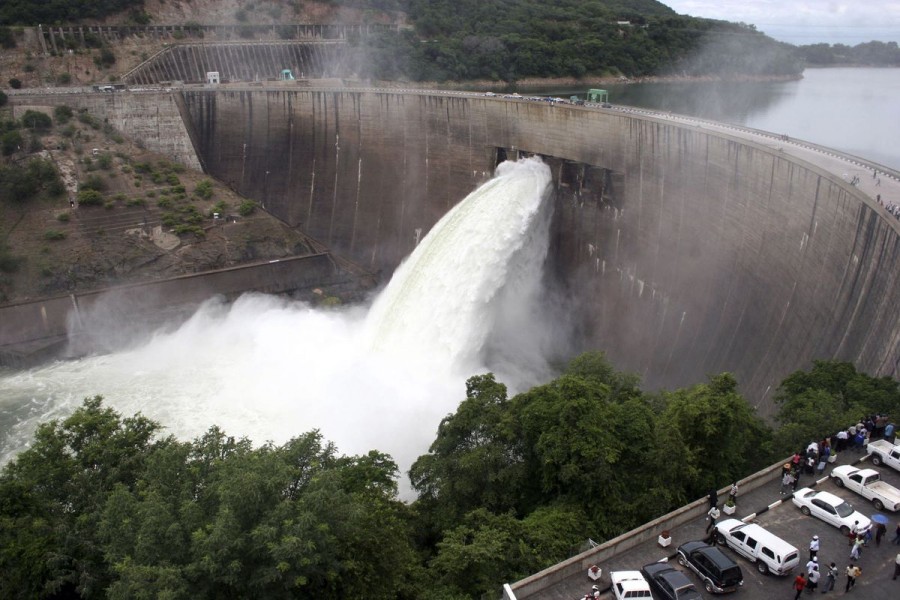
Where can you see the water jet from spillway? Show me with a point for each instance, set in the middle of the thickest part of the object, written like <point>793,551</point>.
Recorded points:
<point>269,368</point>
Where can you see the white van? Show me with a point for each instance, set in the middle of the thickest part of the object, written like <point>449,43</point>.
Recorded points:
<point>770,553</point>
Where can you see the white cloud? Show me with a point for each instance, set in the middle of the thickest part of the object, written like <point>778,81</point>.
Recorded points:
<point>805,21</point>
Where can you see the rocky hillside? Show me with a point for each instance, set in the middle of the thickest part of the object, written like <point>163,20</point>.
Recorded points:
<point>118,214</point>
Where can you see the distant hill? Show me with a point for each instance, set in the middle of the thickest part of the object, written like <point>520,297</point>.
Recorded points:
<point>464,40</point>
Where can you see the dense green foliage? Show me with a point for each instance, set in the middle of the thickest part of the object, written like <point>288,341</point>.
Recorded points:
<point>104,507</point>
<point>32,12</point>
<point>879,54</point>
<point>513,39</point>
<point>827,398</point>
<point>21,183</point>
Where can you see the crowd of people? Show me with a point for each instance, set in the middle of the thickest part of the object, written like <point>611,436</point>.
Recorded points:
<point>812,460</point>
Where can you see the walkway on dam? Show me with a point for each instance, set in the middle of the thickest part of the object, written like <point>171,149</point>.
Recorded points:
<point>785,520</point>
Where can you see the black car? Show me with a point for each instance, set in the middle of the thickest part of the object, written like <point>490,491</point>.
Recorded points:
<point>669,583</point>
<point>719,573</point>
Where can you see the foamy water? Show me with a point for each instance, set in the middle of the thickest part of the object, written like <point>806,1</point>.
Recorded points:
<point>269,368</point>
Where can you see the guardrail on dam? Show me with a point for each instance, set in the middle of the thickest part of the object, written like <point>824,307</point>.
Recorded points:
<point>679,250</point>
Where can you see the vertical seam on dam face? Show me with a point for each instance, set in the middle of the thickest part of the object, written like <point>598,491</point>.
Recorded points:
<point>700,253</point>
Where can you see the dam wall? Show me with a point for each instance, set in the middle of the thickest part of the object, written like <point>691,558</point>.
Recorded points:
<point>241,61</point>
<point>27,328</point>
<point>679,250</point>
<point>153,119</point>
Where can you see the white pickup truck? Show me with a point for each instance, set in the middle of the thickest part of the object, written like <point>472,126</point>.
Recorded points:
<point>884,452</point>
<point>867,483</point>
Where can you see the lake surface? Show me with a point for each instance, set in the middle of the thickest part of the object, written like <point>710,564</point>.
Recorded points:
<point>853,110</point>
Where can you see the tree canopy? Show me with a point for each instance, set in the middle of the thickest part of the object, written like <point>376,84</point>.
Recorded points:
<point>105,506</point>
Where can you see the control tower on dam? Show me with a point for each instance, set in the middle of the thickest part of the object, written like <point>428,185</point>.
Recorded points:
<point>680,249</point>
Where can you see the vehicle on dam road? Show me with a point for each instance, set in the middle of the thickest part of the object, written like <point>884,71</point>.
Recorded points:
<point>630,585</point>
<point>882,452</point>
<point>756,543</point>
<point>718,572</point>
<point>868,484</point>
<point>669,583</point>
<point>831,509</point>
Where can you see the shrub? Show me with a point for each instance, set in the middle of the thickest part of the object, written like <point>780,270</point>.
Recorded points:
<point>3,98</point>
<point>10,142</point>
<point>172,179</point>
<point>246,208</point>
<point>35,119</point>
<point>7,39</point>
<point>93,182</point>
<point>105,59</point>
<point>104,161</point>
<point>15,83</point>
<point>63,217</point>
<point>90,198</point>
<point>63,79</point>
<point>204,189</point>
<point>136,202</point>
<point>53,235</point>
<point>63,114</point>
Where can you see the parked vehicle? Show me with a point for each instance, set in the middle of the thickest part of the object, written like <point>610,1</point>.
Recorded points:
<point>630,585</point>
<point>831,509</point>
<point>770,553</point>
<point>882,452</point>
<point>719,573</point>
<point>868,484</point>
<point>669,583</point>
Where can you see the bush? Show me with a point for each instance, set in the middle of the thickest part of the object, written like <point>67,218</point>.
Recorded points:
<point>63,79</point>
<point>63,217</point>
<point>10,142</point>
<point>63,114</point>
<point>53,235</point>
<point>204,189</point>
<point>7,39</point>
<point>3,98</point>
<point>104,161</point>
<point>15,83</point>
<point>34,119</point>
<point>172,179</point>
<point>105,59</point>
<point>93,182</point>
<point>246,208</point>
<point>90,198</point>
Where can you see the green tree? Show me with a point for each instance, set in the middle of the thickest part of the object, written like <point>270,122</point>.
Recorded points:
<point>725,440</point>
<point>35,119</point>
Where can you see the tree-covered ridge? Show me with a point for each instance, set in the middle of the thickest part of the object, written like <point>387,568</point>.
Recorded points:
<point>877,54</point>
<point>102,506</point>
<point>510,40</point>
<point>34,12</point>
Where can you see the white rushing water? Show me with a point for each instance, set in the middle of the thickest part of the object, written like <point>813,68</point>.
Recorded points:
<point>269,368</point>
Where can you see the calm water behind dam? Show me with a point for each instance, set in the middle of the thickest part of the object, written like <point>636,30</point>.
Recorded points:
<point>853,110</point>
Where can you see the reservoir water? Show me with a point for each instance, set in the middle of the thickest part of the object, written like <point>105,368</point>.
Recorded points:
<point>855,110</point>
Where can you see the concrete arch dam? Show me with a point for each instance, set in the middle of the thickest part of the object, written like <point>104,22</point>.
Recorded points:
<point>681,250</point>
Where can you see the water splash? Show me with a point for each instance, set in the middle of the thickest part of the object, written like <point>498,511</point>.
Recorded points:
<point>269,368</point>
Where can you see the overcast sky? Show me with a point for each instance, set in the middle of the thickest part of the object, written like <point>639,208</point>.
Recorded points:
<point>805,21</point>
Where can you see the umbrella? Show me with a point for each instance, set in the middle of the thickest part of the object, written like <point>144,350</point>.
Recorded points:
<point>880,518</point>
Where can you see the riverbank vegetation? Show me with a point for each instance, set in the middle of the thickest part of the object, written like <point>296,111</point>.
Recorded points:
<point>106,506</point>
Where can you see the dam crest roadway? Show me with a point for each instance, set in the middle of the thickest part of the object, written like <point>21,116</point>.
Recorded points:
<point>679,246</point>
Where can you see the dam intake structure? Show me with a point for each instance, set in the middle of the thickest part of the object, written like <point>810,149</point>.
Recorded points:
<point>679,248</point>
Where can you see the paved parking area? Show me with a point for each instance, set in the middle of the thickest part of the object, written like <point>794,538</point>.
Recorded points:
<point>786,521</point>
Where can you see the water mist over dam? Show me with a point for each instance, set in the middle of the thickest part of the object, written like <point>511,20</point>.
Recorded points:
<point>678,250</point>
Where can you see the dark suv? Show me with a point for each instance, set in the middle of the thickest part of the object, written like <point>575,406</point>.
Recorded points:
<point>719,573</point>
